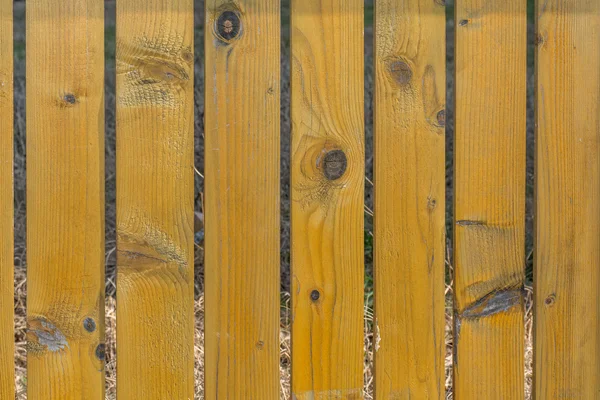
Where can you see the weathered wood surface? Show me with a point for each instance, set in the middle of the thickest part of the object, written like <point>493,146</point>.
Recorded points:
<point>327,186</point>
<point>489,202</point>
<point>7,374</point>
<point>242,206</point>
<point>65,199</point>
<point>409,166</point>
<point>155,199</point>
<point>567,258</point>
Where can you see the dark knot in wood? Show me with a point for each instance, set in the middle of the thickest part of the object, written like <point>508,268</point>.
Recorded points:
<point>334,164</point>
<point>101,351</point>
<point>400,71</point>
<point>441,118</point>
<point>70,98</point>
<point>228,25</point>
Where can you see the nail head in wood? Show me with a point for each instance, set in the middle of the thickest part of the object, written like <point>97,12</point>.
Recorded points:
<point>315,295</point>
<point>89,324</point>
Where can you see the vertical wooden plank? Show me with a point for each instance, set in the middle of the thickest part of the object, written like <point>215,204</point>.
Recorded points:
<point>410,81</point>
<point>242,45</point>
<point>7,373</point>
<point>65,199</point>
<point>567,278</point>
<point>155,199</point>
<point>327,198</point>
<point>489,202</point>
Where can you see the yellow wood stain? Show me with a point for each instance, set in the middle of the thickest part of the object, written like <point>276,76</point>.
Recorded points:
<point>409,166</point>
<point>155,199</point>
<point>327,198</point>
<point>242,206</point>
<point>65,199</point>
<point>7,374</point>
<point>567,277</point>
<point>489,199</point>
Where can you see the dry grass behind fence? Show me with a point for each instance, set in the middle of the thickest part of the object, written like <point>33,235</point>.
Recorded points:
<point>285,346</point>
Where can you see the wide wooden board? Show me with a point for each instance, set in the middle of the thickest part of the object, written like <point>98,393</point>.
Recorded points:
<point>489,199</point>
<point>327,195</point>
<point>409,169</point>
<point>65,199</point>
<point>242,203</point>
<point>155,199</point>
<point>567,257</point>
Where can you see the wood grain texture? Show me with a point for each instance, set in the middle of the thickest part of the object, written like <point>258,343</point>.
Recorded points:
<point>567,278</point>
<point>409,169</point>
<point>242,205</point>
<point>489,202</point>
<point>65,199</point>
<point>7,373</point>
<point>327,191</point>
<point>155,199</point>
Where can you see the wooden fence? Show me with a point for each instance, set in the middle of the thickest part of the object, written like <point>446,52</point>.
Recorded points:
<point>155,199</point>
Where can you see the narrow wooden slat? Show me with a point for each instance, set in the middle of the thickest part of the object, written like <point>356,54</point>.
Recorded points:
<point>489,202</point>
<point>409,168</point>
<point>327,186</point>
<point>65,199</point>
<point>7,375</point>
<point>155,199</point>
<point>242,44</point>
<point>567,278</point>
